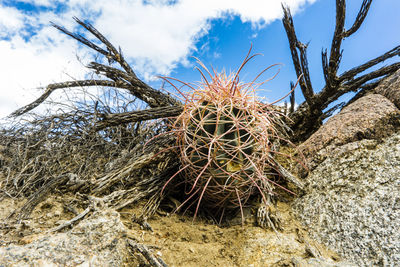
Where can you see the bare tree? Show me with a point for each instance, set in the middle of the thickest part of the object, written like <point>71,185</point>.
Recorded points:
<point>310,114</point>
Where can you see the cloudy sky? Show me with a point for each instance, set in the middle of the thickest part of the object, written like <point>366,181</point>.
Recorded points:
<point>161,37</point>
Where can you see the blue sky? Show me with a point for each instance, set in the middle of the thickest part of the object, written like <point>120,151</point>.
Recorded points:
<point>160,38</point>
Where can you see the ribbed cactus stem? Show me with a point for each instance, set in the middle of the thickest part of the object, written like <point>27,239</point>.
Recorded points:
<point>225,137</point>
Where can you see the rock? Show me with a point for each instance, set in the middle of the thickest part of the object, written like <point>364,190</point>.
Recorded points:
<point>352,200</point>
<point>390,88</point>
<point>370,117</point>
<point>96,241</point>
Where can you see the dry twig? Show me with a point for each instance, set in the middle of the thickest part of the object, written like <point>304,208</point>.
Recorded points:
<point>77,218</point>
<point>145,251</point>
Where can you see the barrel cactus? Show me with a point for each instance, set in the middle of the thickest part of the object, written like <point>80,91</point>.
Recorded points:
<point>226,137</point>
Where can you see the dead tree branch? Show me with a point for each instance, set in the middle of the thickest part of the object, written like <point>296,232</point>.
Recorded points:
<point>347,75</point>
<point>108,120</point>
<point>360,18</point>
<point>54,86</point>
<point>73,220</point>
<point>300,63</point>
<point>336,52</point>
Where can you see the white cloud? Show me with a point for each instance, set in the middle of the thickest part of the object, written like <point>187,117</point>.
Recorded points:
<point>11,21</point>
<point>155,35</point>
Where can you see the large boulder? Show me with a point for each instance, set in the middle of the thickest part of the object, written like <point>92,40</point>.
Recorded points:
<point>352,199</point>
<point>370,117</point>
<point>96,241</point>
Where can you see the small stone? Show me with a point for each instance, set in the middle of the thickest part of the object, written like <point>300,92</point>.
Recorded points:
<point>57,213</point>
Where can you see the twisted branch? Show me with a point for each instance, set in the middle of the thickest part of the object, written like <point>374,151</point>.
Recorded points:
<point>360,18</point>
<point>300,63</point>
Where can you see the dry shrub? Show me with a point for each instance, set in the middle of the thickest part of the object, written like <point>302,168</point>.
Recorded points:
<point>36,150</point>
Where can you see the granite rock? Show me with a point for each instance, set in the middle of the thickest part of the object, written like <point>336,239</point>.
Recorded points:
<point>352,201</point>
<point>370,117</point>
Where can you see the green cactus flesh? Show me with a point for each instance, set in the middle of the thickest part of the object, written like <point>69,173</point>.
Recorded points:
<point>222,134</point>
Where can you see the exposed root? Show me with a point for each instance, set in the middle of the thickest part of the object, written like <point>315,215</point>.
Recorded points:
<point>268,217</point>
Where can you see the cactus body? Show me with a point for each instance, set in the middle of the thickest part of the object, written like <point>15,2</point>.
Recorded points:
<point>225,136</point>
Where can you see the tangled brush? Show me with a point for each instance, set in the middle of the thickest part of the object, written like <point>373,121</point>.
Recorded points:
<point>227,139</point>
